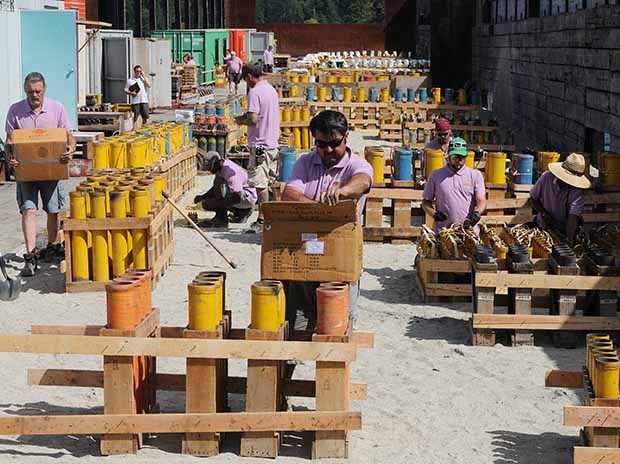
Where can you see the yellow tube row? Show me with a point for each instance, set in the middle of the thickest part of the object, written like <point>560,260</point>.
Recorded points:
<point>603,365</point>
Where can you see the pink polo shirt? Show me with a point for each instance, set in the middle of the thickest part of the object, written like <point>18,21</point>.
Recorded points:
<point>237,180</point>
<point>263,100</point>
<point>234,64</point>
<point>455,193</point>
<point>268,56</point>
<point>310,176</point>
<point>52,116</point>
<point>558,202</point>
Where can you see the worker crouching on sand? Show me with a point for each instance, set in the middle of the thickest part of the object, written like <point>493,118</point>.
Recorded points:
<point>559,194</point>
<point>230,192</point>
<point>457,190</point>
<point>328,174</point>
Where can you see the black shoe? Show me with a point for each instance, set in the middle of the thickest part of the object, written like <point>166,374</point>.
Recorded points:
<point>31,263</point>
<point>256,227</point>
<point>240,216</point>
<point>60,251</point>
<point>216,222</point>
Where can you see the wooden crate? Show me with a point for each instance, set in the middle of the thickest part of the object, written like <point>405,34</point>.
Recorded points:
<point>400,229</point>
<point>179,171</point>
<point>429,280</point>
<point>332,420</point>
<point>159,225</point>
<point>358,114</point>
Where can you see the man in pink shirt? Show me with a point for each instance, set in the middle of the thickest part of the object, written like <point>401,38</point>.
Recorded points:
<point>234,71</point>
<point>458,191</point>
<point>230,191</point>
<point>263,121</point>
<point>268,59</point>
<point>328,174</point>
<point>38,111</point>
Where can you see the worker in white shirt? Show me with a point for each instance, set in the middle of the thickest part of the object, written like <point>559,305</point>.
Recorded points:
<point>136,89</point>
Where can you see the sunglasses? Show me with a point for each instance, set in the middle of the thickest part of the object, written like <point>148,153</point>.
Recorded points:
<point>443,134</point>
<point>333,144</point>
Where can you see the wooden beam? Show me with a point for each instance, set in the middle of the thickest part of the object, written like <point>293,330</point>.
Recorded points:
<point>172,382</point>
<point>591,416</point>
<point>447,265</point>
<point>595,455</point>
<point>378,233</point>
<point>179,423</point>
<point>577,282</point>
<point>499,220</point>
<point>177,348</point>
<point>564,379</point>
<point>396,194</point>
<point>537,322</point>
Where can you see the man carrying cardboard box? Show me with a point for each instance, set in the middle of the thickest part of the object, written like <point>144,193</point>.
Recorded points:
<point>40,113</point>
<point>329,174</point>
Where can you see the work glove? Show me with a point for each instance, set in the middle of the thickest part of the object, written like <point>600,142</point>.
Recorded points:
<point>198,198</point>
<point>472,219</point>
<point>440,216</point>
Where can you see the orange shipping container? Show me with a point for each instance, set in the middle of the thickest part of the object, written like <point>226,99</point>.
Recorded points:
<point>79,5</point>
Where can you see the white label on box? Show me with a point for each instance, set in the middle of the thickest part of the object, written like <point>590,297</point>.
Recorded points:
<point>314,247</point>
<point>307,237</point>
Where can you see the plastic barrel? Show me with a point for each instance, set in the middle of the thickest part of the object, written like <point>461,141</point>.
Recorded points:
<point>287,158</point>
<point>335,94</point>
<point>544,158</point>
<point>436,91</point>
<point>524,165</point>
<point>495,170</point>
<point>423,95</point>
<point>361,94</point>
<point>461,96</point>
<point>398,94</point>
<point>310,93</point>
<point>210,110</point>
<point>471,158</point>
<point>347,93</point>
<point>433,160</point>
<point>321,93</point>
<point>403,166</point>
<point>375,157</point>
<point>410,94</point>
<point>449,95</point>
<point>373,94</point>
<point>220,110</point>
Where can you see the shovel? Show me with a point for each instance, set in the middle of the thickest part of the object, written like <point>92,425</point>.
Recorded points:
<point>9,288</point>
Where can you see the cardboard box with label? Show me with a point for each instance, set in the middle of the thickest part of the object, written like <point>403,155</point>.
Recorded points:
<point>38,152</point>
<point>311,242</point>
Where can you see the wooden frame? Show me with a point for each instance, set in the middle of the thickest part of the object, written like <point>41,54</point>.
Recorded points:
<point>179,170</point>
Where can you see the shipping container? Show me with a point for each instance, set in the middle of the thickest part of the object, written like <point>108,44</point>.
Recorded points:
<point>155,57</point>
<point>206,46</point>
<point>110,60</point>
<point>38,5</point>
<point>259,41</point>
<point>10,62</point>
<point>237,42</point>
<point>77,5</point>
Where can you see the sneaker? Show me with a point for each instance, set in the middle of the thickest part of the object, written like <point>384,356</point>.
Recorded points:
<point>240,216</point>
<point>256,227</point>
<point>60,251</point>
<point>31,263</point>
<point>48,254</point>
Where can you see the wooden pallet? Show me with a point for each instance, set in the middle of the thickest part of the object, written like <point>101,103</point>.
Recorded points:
<point>179,171</point>
<point>332,420</point>
<point>432,284</point>
<point>159,226</point>
<point>400,229</point>
<point>390,132</point>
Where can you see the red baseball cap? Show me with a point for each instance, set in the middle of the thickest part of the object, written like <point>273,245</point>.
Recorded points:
<point>442,125</point>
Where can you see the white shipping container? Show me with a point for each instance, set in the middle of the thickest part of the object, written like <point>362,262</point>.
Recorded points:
<point>259,42</point>
<point>83,66</point>
<point>110,61</point>
<point>39,5</point>
<point>155,57</point>
<point>10,62</point>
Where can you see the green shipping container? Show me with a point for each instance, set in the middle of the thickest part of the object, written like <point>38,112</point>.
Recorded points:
<point>207,46</point>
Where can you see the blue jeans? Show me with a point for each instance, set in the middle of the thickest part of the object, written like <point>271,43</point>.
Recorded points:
<point>51,191</point>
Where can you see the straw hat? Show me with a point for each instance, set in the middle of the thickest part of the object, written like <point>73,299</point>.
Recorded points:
<point>571,171</point>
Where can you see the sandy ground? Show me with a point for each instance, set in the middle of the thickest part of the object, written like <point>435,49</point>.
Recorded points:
<point>432,398</point>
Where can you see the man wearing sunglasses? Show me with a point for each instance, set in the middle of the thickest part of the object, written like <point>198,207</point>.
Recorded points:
<point>457,190</point>
<point>443,133</point>
<point>328,174</point>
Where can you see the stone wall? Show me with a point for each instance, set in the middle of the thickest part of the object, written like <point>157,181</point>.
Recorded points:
<point>551,78</point>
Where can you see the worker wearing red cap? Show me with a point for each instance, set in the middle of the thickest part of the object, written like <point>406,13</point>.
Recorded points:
<point>443,136</point>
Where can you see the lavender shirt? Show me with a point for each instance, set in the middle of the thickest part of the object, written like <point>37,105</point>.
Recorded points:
<point>268,57</point>
<point>310,176</point>
<point>52,116</point>
<point>558,202</point>
<point>263,100</point>
<point>237,180</point>
<point>234,65</point>
<point>455,193</point>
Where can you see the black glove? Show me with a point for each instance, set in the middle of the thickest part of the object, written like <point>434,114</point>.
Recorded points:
<point>198,198</point>
<point>472,219</point>
<point>440,216</point>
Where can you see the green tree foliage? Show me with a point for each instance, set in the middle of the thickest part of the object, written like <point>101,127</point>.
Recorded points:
<point>321,11</point>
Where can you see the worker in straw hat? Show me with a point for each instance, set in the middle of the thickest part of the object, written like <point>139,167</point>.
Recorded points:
<point>558,196</point>
<point>457,191</point>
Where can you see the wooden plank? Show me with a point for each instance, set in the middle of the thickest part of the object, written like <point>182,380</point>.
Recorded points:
<point>181,348</point>
<point>595,455</point>
<point>536,322</point>
<point>508,203</point>
<point>172,382</point>
<point>396,193</point>
<point>434,289</point>
<point>591,416</point>
<point>503,219</point>
<point>564,379</point>
<point>592,198</point>
<point>548,281</point>
<point>107,224</point>
<point>378,233</point>
<point>601,217</point>
<point>89,424</point>
<point>447,265</point>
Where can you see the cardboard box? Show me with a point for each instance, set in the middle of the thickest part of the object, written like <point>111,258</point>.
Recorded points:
<point>311,242</point>
<point>38,152</point>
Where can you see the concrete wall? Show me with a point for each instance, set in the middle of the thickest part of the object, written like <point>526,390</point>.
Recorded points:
<point>552,77</point>
<point>300,39</point>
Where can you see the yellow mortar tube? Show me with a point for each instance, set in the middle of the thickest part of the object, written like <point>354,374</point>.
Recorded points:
<point>218,281</point>
<point>101,267</point>
<point>120,249</point>
<point>202,306</point>
<point>607,377</point>
<point>102,154</point>
<point>265,307</point>
<point>376,158</point>
<point>117,155</point>
<point>281,297</point>
<point>79,238</point>
<point>141,205</point>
